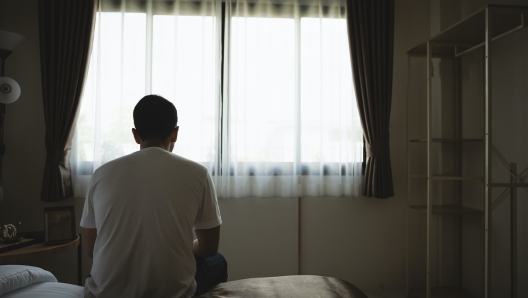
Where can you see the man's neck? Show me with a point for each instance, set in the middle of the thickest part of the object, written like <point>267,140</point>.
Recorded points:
<point>154,143</point>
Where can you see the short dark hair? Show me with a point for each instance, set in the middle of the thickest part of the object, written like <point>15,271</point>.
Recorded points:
<point>155,117</point>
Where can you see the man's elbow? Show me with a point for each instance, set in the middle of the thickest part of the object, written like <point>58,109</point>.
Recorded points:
<point>206,252</point>
<point>207,243</point>
<point>211,252</point>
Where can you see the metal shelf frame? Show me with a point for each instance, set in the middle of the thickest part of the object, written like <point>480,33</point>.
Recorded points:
<point>476,31</point>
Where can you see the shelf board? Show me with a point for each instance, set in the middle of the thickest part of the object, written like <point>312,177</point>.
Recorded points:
<point>446,140</point>
<point>442,292</point>
<point>447,177</point>
<point>470,31</point>
<point>446,209</point>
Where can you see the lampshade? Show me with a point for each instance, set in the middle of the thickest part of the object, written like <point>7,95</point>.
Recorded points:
<point>10,41</point>
<point>9,90</point>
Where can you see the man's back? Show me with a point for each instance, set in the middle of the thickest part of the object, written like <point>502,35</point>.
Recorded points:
<point>144,206</point>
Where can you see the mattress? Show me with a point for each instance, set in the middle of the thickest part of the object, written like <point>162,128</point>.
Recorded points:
<point>295,286</point>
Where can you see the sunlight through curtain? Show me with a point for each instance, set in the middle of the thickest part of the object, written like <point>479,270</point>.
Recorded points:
<point>293,128</point>
<point>263,91</point>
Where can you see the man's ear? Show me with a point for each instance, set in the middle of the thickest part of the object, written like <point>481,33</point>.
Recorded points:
<point>174,134</point>
<point>136,136</point>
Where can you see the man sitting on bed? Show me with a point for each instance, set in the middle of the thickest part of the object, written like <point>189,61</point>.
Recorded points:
<point>139,215</point>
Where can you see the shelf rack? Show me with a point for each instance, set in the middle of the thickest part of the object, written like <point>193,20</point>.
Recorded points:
<point>476,31</point>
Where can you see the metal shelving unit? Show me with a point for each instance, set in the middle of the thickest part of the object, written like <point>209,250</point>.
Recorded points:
<point>475,32</point>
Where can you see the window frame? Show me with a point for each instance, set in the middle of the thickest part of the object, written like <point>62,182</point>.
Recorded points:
<point>294,168</point>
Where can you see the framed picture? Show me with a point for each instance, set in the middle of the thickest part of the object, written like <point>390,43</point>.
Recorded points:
<point>59,223</point>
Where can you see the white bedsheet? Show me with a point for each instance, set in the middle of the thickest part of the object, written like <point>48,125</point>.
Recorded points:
<point>48,290</point>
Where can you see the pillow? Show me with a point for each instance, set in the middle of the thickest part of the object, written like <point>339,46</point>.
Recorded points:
<point>14,277</point>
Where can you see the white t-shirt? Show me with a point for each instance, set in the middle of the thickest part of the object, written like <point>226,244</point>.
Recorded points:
<point>144,207</point>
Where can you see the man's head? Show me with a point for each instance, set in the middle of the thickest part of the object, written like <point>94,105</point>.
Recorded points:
<point>155,121</point>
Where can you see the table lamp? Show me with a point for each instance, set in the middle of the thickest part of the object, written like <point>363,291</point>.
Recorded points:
<point>9,88</point>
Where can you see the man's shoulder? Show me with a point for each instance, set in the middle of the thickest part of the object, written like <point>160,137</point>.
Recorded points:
<point>188,164</point>
<point>115,163</point>
<point>186,161</point>
<point>147,156</point>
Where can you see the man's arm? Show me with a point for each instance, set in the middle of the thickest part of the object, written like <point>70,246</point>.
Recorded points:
<point>207,243</point>
<point>89,239</point>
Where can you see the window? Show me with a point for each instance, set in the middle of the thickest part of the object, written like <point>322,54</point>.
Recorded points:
<point>264,93</point>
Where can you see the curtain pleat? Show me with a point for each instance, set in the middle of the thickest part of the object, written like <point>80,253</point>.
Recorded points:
<point>371,39</point>
<point>66,33</point>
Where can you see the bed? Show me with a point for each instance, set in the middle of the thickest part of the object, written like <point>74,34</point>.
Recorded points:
<point>18,281</point>
<point>294,286</point>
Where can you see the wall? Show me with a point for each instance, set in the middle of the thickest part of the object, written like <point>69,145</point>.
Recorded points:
<point>357,239</point>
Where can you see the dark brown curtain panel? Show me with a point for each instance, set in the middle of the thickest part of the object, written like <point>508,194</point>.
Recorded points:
<point>371,38</point>
<point>66,33</point>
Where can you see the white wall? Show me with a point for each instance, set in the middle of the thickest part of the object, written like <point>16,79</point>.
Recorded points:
<point>357,239</point>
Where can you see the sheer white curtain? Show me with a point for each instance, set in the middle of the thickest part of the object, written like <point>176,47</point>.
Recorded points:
<point>270,111</point>
<point>168,48</point>
<point>293,127</point>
